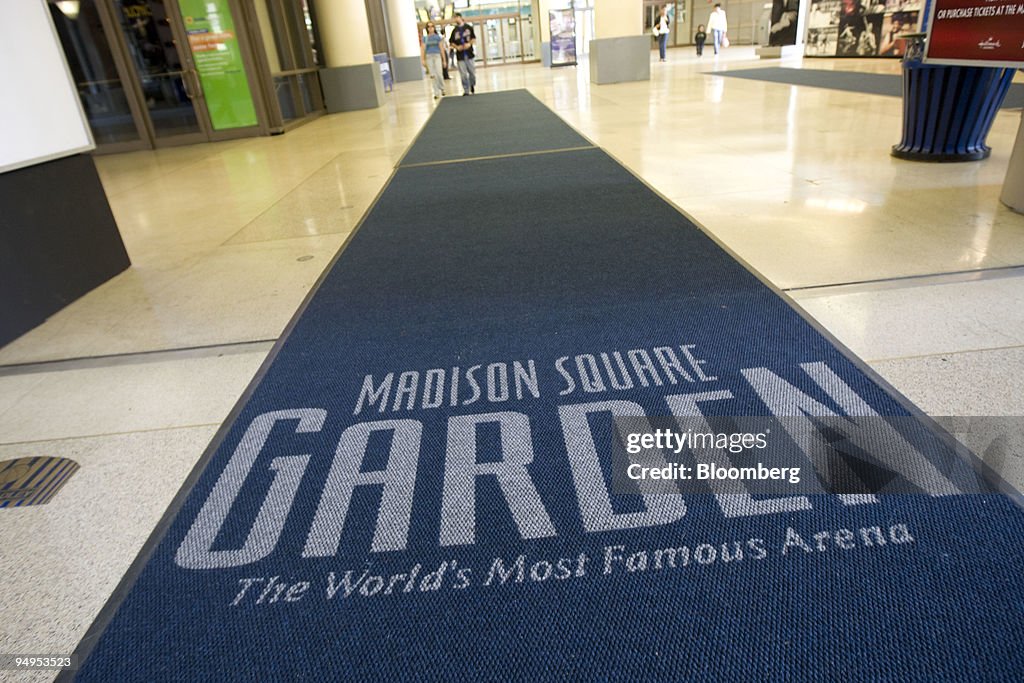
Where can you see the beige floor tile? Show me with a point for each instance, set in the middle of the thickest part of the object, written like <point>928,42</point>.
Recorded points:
<point>918,319</point>
<point>986,384</point>
<point>73,551</point>
<point>330,201</point>
<point>972,383</point>
<point>124,398</point>
<point>125,172</point>
<point>802,235</point>
<point>238,293</point>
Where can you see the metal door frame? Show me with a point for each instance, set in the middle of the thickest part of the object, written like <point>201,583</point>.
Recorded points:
<point>131,80</point>
<point>479,22</point>
<point>245,49</point>
<point>691,28</point>
<point>134,82</point>
<point>266,92</point>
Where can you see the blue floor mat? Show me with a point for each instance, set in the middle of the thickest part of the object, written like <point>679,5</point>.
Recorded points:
<point>849,81</point>
<point>417,484</point>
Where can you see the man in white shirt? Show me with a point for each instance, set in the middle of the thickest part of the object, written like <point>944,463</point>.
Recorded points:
<point>718,25</point>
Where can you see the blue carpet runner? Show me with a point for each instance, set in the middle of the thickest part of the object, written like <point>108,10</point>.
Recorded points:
<point>849,81</point>
<point>416,485</point>
<point>501,123</point>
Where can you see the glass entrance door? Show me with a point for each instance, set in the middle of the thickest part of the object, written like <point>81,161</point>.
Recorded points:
<point>526,33</point>
<point>503,39</point>
<point>510,36</point>
<point>494,45</point>
<point>652,10</point>
<point>684,28</point>
<point>584,25</point>
<point>99,72</point>
<point>216,53</point>
<point>680,22</point>
<point>285,30</point>
<point>153,73</point>
<point>165,81</point>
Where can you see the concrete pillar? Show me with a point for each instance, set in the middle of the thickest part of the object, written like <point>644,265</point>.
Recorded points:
<point>619,51</point>
<point>1013,186</point>
<point>405,41</point>
<point>351,79</point>
<point>541,16</point>
<point>617,18</point>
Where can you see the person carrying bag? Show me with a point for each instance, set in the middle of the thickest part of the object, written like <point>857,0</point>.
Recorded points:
<point>718,25</point>
<point>661,30</point>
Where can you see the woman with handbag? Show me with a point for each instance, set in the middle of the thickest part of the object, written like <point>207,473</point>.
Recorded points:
<point>661,30</point>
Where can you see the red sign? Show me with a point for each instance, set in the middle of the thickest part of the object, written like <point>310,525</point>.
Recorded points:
<point>978,32</point>
<point>205,42</point>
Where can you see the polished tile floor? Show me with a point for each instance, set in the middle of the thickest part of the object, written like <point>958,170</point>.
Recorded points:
<point>917,268</point>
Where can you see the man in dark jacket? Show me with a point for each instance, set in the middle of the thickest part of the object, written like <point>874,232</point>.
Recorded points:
<point>462,40</point>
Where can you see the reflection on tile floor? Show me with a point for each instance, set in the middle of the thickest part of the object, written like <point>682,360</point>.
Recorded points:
<point>797,181</point>
<point>918,318</point>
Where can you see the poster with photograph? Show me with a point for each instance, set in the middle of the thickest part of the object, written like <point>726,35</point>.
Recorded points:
<point>859,35</point>
<point>784,18</point>
<point>822,42</point>
<point>859,28</point>
<point>891,45</point>
<point>851,9</point>
<point>563,37</point>
<point>823,14</point>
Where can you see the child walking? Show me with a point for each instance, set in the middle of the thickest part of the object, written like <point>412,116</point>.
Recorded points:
<point>699,39</point>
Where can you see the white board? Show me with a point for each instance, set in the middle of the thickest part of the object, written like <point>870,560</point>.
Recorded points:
<point>41,117</point>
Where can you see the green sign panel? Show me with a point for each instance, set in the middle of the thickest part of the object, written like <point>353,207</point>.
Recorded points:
<point>218,59</point>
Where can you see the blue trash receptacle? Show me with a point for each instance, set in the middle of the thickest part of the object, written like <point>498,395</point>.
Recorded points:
<point>947,110</point>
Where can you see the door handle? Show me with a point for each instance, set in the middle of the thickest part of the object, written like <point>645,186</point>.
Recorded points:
<point>198,83</point>
<point>186,84</point>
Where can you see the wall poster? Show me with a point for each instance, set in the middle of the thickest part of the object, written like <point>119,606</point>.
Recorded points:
<point>785,14</point>
<point>860,28</point>
<point>218,59</point>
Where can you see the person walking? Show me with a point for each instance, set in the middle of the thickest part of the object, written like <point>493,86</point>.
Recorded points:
<point>462,40</point>
<point>661,29</point>
<point>446,50</point>
<point>698,39</point>
<point>433,59</point>
<point>718,25</point>
<point>450,48</point>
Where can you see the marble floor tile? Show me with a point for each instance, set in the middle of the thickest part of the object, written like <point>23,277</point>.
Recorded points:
<point>73,551</point>
<point>985,382</point>
<point>133,397</point>
<point>920,319</point>
<point>802,235</point>
<point>237,293</point>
